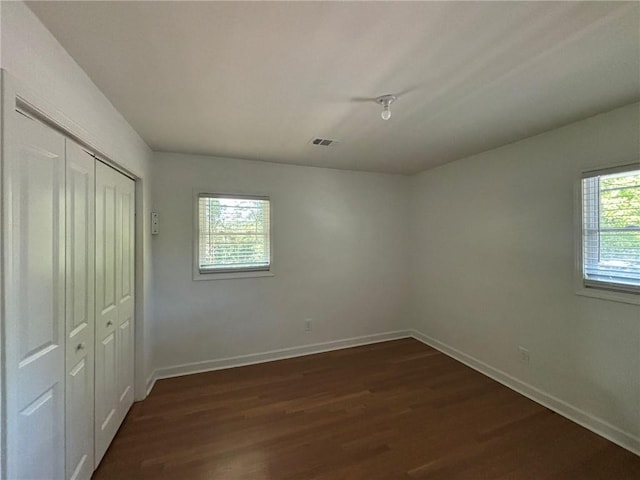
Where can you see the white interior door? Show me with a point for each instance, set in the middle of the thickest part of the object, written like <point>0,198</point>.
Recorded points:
<point>80,311</point>
<point>35,302</point>
<point>114,303</point>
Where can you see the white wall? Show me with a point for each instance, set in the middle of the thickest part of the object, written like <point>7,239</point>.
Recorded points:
<point>493,261</point>
<point>53,81</point>
<point>340,257</point>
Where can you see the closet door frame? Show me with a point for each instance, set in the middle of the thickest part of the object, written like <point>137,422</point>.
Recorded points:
<point>15,96</point>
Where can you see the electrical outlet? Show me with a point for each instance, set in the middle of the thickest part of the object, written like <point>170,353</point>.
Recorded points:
<point>307,325</point>
<point>524,355</point>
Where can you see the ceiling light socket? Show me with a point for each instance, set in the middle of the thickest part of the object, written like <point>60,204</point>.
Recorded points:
<point>386,101</point>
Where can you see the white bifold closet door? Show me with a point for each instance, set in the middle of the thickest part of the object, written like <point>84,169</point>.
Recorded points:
<point>80,312</point>
<point>35,302</point>
<point>69,298</point>
<point>114,306</point>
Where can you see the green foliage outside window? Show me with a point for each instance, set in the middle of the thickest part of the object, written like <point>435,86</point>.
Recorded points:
<point>619,216</point>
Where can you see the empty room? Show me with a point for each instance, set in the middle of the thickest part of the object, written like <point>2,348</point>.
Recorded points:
<point>318,240</point>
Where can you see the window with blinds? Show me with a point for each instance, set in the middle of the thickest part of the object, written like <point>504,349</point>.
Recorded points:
<point>611,229</point>
<point>233,233</point>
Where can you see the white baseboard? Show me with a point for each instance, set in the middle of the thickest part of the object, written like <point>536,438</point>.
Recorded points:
<point>575,414</point>
<point>269,356</point>
<point>151,381</point>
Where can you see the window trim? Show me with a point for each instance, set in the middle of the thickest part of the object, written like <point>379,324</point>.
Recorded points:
<point>582,287</point>
<point>227,274</point>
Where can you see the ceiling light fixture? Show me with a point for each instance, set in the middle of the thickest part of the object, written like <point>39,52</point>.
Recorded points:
<point>386,101</point>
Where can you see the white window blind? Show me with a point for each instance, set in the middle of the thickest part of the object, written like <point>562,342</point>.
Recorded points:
<point>233,233</point>
<point>611,229</point>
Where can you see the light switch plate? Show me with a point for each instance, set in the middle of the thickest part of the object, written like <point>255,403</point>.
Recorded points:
<point>155,223</point>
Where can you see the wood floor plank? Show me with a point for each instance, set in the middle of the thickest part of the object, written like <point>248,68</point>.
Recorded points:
<point>393,410</point>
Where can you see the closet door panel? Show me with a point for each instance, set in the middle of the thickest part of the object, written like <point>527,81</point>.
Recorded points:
<point>115,254</point>
<point>80,312</point>
<point>125,294</point>
<point>106,302</point>
<point>35,302</point>
<point>79,406</point>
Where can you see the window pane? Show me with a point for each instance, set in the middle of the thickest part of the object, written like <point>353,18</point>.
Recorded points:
<point>611,230</point>
<point>233,233</point>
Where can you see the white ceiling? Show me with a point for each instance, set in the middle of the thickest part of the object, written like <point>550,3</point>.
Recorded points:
<point>259,80</point>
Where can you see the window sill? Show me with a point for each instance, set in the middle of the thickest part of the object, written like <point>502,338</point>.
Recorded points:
<point>610,295</point>
<point>230,275</point>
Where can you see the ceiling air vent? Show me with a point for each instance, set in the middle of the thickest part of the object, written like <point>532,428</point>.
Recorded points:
<point>325,142</point>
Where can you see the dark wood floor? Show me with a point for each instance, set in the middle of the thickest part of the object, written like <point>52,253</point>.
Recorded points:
<point>394,410</point>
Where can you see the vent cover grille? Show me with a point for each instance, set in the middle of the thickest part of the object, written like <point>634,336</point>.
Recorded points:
<point>323,142</point>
